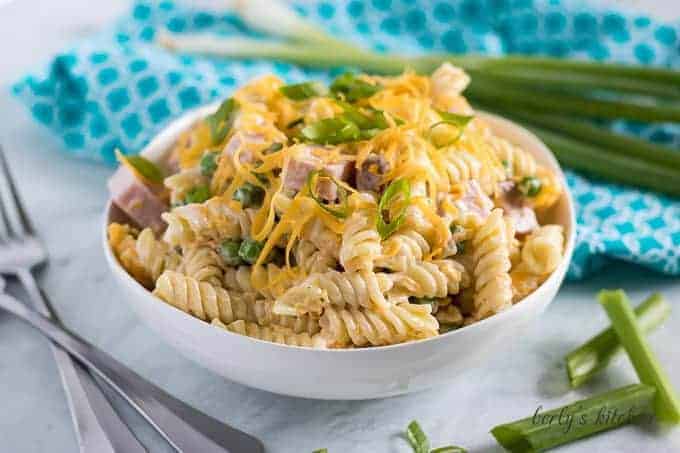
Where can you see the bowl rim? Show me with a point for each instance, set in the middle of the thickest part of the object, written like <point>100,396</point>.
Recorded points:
<point>161,143</point>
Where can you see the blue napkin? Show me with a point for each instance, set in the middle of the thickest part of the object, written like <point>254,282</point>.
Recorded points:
<point>116,90</point>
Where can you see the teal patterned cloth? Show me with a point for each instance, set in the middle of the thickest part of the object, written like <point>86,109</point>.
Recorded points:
<point>117,90</point>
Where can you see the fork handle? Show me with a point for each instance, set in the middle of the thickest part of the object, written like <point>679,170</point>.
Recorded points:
<point>185,428</point>
<point>98,427</point>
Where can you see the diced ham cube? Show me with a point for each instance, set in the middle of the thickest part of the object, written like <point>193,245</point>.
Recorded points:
<point>137,200</point>
<point>474,201</point>
<point>514,205</point>
<point>299,168</point>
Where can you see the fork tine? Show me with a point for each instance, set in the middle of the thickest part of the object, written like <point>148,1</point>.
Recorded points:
<point>7,230</point>
<point>21,213</point>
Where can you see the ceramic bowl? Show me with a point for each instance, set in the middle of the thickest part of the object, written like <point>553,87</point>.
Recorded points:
<point>350,373</point>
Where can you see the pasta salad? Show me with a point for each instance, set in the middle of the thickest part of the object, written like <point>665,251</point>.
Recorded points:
<point>374,211</point>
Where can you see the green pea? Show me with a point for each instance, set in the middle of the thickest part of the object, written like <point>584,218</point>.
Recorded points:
<point>229,252</point>
<point>208,163</point>
<point>530,186</point>
<point>455,228</point>
<point>198,194</point>
<point>461,246</point>
<point>250,250</point>
<point>249,195</point>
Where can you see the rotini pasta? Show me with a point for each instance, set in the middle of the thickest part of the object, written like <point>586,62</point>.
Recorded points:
<point>366,218</point>
<point>491,255</point>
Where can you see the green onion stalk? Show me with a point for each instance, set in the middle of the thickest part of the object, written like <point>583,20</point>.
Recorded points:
<point>545,430</point>
<point>645,362</point>
<point>597,353</point>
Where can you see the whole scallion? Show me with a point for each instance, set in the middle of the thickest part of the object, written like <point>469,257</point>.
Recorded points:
<point>647,366</point>
<point>598,352</point>
<point>582,418</point>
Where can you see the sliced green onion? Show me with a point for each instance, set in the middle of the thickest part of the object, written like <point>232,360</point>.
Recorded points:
<point>449,449</point>
<point>598,352</point>
<point>221,121</point>
<point>392,192</point>
<point>461,246</point>
<point>295,123</point>
<point>417,438</point>
<point>321,450</point>
<point>276,146</point>
<point>582,418</point>
<point>250,250</point>
<point>208,163</point>
<point>347,86</point>
<point>529,186</point>
<point>228,250</point>
<point>142,166</point>
<point>647,366</point>
<point>249,195</point>
<point>331,131</point>
<point>302,91</point>
<point>198,194</point>
<point>312,179</point>
<point>452,119</point>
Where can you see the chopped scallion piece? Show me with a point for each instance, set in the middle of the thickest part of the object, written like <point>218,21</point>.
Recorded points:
<point>582,418</point>
<point>295,123</point>
<point>417,438</point>
<point>142,166</point>
<point>647,366</point>
<point>302,91</point>
<point>598,352</point>
<point>351,88</point>
<point>276,146</point>
<point>221,121</point>
<point>250,250</point>
<point>198,194</point>
<point>530,186</point>
<point>229,252</point>
<point>397,188</point>
<point>249,195</point>
<point>452,119</point>
<point>208,163</point>
<point>312,180</point>
<point>321,450</point>
<point>449,449</point>
<point>461,246</point>
<point>332,131</point>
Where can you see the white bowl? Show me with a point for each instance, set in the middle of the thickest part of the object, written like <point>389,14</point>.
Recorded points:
<point>350,373</point>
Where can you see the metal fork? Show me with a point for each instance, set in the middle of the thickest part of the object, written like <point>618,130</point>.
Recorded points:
<point>98,428</point>
<point>185,428</point>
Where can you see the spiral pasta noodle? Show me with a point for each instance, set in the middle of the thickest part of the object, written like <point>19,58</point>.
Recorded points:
<point>212,220</point>
<point>491,256</point>
<point>361,326</point>
<point>203,264</point>
<point>281,335</point>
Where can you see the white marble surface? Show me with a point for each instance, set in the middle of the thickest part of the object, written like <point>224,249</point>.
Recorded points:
<point>65,198</point>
